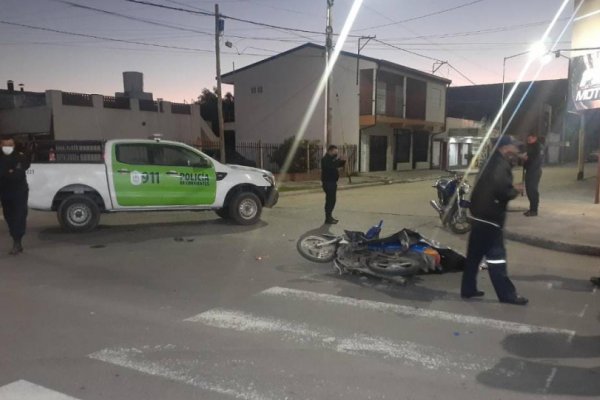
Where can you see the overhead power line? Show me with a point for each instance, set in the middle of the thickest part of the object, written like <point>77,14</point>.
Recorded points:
<point>247,21</point>
<point>499,29</point>
<point>110,39</point>
<point>210,14</point>
<point>407,51</point>
<point>426,57</point>
<point>132,18</point>
<point>431,14</point>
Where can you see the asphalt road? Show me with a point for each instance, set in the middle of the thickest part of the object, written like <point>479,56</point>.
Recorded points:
<point>185,306</point>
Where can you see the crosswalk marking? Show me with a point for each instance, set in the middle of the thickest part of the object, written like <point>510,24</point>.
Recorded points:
<point>428,357</point>
<point>24,390</point>
<point>504,326</point>
<point>135,359</point>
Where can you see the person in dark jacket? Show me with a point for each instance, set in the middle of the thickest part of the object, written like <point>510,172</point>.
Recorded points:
<point>14,191</point>
<point>490,197</point>
<point>330,174</point>
<point>533,173</point>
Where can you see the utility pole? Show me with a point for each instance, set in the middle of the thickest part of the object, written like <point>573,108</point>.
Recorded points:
<point>328,51</point>
<point>581,149</point>
<point>219,27</point>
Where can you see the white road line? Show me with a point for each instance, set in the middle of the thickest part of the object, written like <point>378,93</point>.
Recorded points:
<point>551,377</point>
<point>582,313</point>
<point>24,390</point>
<point>505,326</point>
<point>415,354</point>
<point>134,358</point>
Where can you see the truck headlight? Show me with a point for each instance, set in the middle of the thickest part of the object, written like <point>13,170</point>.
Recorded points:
<point>270,179</point>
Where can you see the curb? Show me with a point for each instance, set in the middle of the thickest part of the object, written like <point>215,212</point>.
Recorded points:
<point>318,189</point>
<point>581,249</point>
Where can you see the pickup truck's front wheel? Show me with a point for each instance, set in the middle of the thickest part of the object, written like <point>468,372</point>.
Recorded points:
<point>223,213</point>
<point>245,208</point>
<point>78,213</point>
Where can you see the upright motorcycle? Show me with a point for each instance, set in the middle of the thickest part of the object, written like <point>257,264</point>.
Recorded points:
<point>452,205</point>
<point>396,257</point>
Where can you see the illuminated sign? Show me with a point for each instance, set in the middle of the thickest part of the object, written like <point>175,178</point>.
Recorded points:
<point>585,81</point>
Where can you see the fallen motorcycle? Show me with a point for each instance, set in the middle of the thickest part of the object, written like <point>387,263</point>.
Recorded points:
<point>452,204</point>
<point>396,257</point>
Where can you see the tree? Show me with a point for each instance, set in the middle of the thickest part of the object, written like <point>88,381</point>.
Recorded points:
<point>299,162</point>
<point>208,102</point>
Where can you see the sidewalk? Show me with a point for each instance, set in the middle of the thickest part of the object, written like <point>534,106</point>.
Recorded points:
<point>365,180</point>
<point>568,219</point>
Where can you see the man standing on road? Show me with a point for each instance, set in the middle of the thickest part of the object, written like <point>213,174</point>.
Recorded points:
<point>489,200</point>
<point>14,191</point>
<point>330,174</point>
<point>533,173</point>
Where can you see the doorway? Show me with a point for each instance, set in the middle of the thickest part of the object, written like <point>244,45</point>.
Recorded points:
<point>378,153</point>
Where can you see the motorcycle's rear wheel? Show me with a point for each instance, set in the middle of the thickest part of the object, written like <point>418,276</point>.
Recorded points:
<point>311,247</point>
<point>406,264</point>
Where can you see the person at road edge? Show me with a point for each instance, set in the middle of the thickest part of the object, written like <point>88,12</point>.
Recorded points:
<point>489,200</point>
<point>330,175</point>
<point>14,191</point>
<point>533,173</point>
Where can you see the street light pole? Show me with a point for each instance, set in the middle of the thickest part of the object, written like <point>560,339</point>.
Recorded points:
<point>218,31</point>
<point>502,99</point>
<point>328,51</point>
<point>504,86</point>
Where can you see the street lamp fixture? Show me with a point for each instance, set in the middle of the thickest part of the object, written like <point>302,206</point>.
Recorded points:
<point>538,50</point>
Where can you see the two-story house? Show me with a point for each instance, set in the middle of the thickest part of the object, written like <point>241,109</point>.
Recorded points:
<point>388,110</point>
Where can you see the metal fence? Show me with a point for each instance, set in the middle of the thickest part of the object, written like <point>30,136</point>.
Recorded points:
<point>120,103</point>
<point>178,108</point>
<point>271,156</point>
<point>77,99</point>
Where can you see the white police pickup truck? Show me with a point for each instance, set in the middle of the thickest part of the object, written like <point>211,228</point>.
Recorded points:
<point>81,180</point>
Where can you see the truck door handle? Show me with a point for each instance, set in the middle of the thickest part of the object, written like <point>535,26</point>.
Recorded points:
<point>123,171</point>
<point>173,173</point>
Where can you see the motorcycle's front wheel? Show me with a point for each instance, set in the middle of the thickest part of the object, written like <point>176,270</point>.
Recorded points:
<point>460,223</point>
<point>406,264</point>
<point>315,249</point>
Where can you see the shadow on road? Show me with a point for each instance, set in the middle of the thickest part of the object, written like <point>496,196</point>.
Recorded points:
<point>573,285</point>
<point>541,378</point>
<point>178,231</point>
<point>550,377</point>
<point>545,345</point>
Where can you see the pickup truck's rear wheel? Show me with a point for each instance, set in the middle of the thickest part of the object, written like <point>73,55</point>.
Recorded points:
<point>245,208</point>
<point>78,213</point>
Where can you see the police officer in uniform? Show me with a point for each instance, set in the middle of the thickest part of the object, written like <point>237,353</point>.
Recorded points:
<point>330,174</point>
<point>14,191</point>
<point>533,173</point>
<point>490,197</point>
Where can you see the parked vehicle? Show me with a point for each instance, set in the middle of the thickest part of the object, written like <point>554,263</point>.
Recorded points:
<point>451,204</point>
<point>394,258</point>
<point>81,180</point>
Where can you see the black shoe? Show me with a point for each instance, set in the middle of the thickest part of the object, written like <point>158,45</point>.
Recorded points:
<point>478,293</point>
<point>531,213</point>
<point>17,248</point>
<point>595,280</point>
<point>517,301</point>
<point>331,221</point>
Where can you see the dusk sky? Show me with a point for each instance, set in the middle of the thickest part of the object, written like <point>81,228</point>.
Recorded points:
<point>474,39</point>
